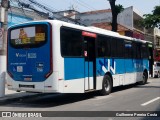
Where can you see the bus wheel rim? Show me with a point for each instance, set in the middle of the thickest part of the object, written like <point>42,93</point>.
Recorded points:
<point>144,78</point>
<point>107,85</point>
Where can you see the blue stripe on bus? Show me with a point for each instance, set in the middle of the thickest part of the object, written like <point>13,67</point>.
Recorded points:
<point>88,69</point>
<point>76,68</point>
<point>73,68</point>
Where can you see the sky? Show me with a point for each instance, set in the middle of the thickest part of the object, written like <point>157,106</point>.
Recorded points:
<point>143,6</point>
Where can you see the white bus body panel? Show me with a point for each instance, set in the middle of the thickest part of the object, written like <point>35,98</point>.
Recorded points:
<point>74,86</point>
<point>56,80</point>
<point>49,85</point>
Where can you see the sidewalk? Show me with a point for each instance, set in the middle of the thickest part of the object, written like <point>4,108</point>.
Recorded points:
<point>11,96</point>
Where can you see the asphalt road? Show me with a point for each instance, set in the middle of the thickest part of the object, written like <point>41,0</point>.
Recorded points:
<point>128,98</point>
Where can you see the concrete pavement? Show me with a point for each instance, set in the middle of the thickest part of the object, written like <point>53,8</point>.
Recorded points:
<point>128,98</point>
<point>11,96</point>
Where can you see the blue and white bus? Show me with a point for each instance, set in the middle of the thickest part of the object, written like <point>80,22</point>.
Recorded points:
<point>57,57</point>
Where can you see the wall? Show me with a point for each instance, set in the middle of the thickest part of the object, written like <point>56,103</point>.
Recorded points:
<point>89,19</point>
<point>17,19</point>
<point>157,38</point>
<point>125,18</point>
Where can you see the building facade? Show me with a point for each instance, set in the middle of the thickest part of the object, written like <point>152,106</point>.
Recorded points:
<point>157,44</point>
<point>17,15</point>
<point>128,19</point>
<point>128,25</point>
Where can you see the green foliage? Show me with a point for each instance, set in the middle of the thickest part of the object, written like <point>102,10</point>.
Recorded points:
<point>156,10</point>
<point>116,8</point>
<point>152,20</point>
<point>119,8</point>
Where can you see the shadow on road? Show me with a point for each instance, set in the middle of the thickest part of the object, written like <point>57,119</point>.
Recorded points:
<point>53,100</point>
<point>50,100</point>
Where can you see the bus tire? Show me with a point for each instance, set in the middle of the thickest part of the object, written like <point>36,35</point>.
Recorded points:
<point>106,85</point>
<point>145,77</point>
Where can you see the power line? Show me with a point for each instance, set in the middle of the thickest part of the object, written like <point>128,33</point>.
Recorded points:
<point>28,6</point>
<point>78,2</point>
<point>53,12</point>
<point>14,17</point>
<point>89,6</point>
<point>61,17</point>
<point>48,5</point>
<point>23,10</point>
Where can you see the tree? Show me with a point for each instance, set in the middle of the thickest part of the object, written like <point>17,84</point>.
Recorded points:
<point>152,20</point>
<point>116,9</point>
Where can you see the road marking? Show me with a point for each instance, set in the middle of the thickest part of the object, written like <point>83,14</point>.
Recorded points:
<point>146,103</point>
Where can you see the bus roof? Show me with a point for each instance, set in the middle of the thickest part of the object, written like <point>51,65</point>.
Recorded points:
<point>89,29</point>
<point>96,30</point>
<point>93,29</point>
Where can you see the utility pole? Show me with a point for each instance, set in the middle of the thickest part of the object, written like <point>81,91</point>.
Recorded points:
<point>4,25</point>
<point>3,35</point>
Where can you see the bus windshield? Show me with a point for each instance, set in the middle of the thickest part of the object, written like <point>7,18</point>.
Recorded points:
<point>28,36</point>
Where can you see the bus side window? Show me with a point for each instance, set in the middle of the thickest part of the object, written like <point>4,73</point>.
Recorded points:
<point>103,46</point>
<point>113,47</point>
<point>138,51</point>
<point>128,49</point>
<point>134,50</point>
<point>120,48</point>
<point>71,42</point>
<point>144,51</point>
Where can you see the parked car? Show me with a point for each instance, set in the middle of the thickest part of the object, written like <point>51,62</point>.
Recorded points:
<point>156,69</point>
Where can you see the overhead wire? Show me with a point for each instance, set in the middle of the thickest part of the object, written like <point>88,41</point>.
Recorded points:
<point>89,7</point>
<point>20,7</point>
<point>23,10</point>
<point>64,18</point>
<point>86,5</point>
<point>48,5</point>
<point>42,7</point>
<point>12,13</point>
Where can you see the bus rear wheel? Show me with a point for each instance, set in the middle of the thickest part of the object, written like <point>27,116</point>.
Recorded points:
<point>106,85</point>
<point>145,77</point>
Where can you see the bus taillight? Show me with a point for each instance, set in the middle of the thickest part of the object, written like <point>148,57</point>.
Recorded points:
<point>47,75</point>
<point>51,55</point>
<point>10,74</point>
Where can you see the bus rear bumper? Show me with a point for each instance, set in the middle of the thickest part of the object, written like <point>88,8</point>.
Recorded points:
<point>50,85</point>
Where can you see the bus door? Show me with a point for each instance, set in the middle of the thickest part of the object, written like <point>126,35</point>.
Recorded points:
<point>90,62</point>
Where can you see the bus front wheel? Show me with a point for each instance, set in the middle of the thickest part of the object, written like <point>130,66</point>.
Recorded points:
<point>106,85</point>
